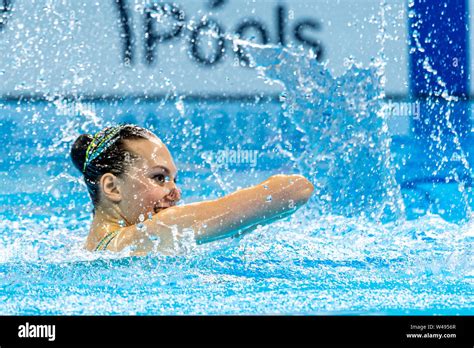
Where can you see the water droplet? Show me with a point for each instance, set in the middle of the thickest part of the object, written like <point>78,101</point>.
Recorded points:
<point>265,187</point>
<point>56,194</point>
<point>141,227</point>
<point>180,107</point>
<point>141,218</point>
<point>269,198</point>
<point>154,237</point>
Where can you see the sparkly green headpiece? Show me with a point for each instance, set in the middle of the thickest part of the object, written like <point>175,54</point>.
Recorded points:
<point>101,141</point>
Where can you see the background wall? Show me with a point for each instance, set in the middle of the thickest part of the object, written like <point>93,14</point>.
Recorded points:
<point>132,47</point>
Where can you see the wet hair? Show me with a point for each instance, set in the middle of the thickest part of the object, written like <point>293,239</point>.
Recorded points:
<point>115,159</point>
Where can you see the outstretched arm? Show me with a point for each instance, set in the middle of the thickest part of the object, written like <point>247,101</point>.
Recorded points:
<point>275,197</point>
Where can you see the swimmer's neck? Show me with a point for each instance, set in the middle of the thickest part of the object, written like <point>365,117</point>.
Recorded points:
<point>104,222</point>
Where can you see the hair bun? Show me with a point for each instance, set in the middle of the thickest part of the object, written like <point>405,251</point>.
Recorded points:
<point>79,149</point>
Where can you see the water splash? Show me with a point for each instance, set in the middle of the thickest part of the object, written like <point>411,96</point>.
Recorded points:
<point>347,152</point>
<point>307,265</point>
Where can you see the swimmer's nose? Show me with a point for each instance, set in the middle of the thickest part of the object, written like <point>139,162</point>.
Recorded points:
<point>175,194</point>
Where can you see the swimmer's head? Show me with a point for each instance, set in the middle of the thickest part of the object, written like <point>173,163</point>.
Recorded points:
<point>127,169</point>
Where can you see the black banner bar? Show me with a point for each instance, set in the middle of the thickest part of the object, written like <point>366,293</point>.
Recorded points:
<point>139,330</point>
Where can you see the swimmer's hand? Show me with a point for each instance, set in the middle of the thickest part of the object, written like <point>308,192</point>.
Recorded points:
<point>274,198</point>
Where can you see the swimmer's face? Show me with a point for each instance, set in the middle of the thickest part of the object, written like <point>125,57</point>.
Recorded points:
<point>149,185</point>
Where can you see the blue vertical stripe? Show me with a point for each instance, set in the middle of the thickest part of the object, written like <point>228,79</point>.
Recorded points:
<point>439,55</point>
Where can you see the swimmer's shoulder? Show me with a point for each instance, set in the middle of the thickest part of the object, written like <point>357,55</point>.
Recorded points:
<point>119,239</point>
<point>106,240</point>
<point>92,241</point>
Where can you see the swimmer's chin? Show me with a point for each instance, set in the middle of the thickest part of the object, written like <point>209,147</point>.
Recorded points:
<point>159,209</point>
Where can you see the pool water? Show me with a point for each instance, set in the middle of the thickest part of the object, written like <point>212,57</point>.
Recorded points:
<point>304,265</point>
<point>388,231</point>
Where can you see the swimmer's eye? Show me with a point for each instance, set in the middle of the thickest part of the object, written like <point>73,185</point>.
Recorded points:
<point>161,178</point>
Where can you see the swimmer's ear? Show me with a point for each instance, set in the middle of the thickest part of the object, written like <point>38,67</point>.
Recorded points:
<point>110,187</point>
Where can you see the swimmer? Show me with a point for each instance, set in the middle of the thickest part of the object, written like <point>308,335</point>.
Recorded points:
<point>131,178</point>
